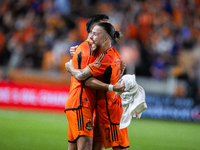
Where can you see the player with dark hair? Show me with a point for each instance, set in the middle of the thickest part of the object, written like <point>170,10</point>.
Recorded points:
<point>89,25</point>
<point>107,68</point>
<point>95,19</point>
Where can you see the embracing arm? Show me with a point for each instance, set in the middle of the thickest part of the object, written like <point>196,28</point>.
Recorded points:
<point>79,74</point>
<point>97,84</point>
<point>83,74</point>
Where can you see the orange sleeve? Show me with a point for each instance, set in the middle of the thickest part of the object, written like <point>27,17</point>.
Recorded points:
<point>82,56</point>
<point>99,66</point>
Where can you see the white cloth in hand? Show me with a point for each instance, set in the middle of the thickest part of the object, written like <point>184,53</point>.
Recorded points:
<point>133,100</point>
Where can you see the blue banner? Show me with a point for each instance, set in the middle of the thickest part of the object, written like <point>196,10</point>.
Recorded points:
<point>173,108</point>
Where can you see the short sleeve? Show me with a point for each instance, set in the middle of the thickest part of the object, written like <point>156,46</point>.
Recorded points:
<point>99,66</point>
<point>82,56</point>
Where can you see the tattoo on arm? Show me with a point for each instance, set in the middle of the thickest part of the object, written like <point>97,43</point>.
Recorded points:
<point>80,74</point>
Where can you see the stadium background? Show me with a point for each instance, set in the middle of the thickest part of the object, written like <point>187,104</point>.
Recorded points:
<point>161,45</point>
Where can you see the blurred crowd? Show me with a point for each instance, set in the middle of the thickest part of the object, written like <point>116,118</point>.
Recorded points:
<point>161,38</point>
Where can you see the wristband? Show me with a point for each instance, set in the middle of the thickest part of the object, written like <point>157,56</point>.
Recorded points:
<point>110,87</point>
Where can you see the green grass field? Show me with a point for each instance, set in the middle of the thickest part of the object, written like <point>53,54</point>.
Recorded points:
<point>21,130</point>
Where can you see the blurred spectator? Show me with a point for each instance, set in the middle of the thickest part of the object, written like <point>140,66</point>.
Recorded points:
<point>131,56</point>
<point>158,68</point>
<point>164,34</point>
<point>63,6</point>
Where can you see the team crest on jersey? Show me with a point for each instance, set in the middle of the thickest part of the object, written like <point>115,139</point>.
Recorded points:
<point>89,126</point>
<point>97,64</point>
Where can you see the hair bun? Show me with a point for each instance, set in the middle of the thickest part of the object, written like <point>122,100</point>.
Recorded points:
<point>117,36</point>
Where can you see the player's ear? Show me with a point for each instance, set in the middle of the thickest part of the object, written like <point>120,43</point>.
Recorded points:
<point>106,39</point>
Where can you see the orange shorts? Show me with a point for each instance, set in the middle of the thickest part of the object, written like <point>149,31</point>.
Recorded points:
<point>110,135</point>
<point>80,123</point>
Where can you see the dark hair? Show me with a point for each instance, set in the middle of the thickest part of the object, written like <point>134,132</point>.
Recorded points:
<point>95,19</point>
<point>114,34</point>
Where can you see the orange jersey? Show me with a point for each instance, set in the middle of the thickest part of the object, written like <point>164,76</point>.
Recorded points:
<point>107,68</point>
<point>79,94</point>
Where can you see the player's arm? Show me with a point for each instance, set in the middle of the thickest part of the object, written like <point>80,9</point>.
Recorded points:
<point>97,84</point>
<point>83,74</point>
<point>79,74</point>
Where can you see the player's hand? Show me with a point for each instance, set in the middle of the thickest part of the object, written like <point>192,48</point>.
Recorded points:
<point>137,116</point>
<point>118,87</point>
<point>72,50</point>
<point>68,65</point>
<point>123,67</point>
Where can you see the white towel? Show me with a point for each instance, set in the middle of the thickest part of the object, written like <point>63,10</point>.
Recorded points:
<point>133,100</point>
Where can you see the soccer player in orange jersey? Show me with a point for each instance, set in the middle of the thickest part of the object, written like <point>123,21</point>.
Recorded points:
<point>107,68</point>
<point>81,100</point>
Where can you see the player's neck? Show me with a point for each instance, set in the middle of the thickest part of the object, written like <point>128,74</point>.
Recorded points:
<point>105,47</point>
